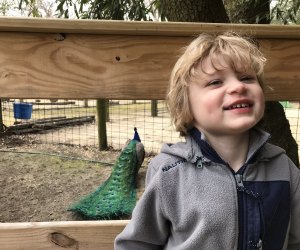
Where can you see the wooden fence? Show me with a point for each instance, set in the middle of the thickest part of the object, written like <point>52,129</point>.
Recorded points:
<point>88,59</point>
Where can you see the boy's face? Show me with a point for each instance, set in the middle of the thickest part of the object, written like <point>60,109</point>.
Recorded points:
<point>225,102</point>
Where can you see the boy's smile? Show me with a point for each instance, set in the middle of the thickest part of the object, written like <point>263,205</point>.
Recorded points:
<point>225,101</point>
<point>240,104</point>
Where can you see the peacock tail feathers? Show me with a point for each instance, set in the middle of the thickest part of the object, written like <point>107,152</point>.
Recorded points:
<point>116,197</point>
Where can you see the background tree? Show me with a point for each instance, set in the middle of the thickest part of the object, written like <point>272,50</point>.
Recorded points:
<point>282,11</point>
<point>286,12</point>
<point>103,9</point>
<point>5,7</point>
<point>30,8</point>
<point>252,11</point>
<point>194,11</point>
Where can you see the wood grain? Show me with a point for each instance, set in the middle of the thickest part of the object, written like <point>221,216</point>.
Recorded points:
<point>36,65</point>
<point>79,66</point>
<point>79,235</point>
<point>282,71</point>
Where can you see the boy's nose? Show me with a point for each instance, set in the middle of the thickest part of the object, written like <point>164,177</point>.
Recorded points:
<point>236,87</point>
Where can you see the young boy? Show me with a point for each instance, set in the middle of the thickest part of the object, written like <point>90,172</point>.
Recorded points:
<point>226,187</point>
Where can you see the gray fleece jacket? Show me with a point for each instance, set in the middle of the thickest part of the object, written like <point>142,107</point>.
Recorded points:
<point>193,201</point>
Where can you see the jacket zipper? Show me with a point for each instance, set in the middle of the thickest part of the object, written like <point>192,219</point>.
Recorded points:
<point>239,181</point>
<point>241,188</point>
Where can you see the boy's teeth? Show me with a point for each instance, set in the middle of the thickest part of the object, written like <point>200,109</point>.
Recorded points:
<point>243,105</point>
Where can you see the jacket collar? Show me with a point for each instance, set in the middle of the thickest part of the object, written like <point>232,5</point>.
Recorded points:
<point>192,150</point>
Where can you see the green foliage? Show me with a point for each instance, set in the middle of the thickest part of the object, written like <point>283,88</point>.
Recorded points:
<point>31,6</point>
<point>286,12</point>
<point>286,104</point>
<point>156,9</point>
<point>104,9</point>
<point>5,6</point>
<point>249,11</point>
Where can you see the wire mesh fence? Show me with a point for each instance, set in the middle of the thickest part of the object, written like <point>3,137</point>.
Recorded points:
<point>74,122</point>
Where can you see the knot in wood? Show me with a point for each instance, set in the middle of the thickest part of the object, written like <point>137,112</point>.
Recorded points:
<point>62,240</point>
<point>59,37</point>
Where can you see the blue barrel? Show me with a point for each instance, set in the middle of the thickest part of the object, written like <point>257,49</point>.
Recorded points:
<point>22,110</point>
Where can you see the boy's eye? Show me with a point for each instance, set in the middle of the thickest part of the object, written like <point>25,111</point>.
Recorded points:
<point>248,79</point>
<point>214,82</point>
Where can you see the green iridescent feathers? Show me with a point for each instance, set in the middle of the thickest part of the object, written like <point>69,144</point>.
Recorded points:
<point>116,197</point>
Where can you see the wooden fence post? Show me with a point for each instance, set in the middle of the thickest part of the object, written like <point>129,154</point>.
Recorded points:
<point>101,122</point>
<point>1,118</point>
<point>154,108</point>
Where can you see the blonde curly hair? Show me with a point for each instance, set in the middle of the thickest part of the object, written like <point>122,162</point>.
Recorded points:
<point>235,49</point>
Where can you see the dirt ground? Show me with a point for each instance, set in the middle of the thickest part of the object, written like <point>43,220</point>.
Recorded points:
<point>39,182</point>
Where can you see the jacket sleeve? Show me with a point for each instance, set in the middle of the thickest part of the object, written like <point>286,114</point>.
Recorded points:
<point>294,234</point>
<point>148,228</point>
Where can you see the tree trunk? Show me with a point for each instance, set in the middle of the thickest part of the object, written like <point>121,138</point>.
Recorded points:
<point>278,126</point>
<point>212,11</point>
<point>253,11</point>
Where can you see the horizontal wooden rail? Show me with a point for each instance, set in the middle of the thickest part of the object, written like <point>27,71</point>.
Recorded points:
<point>113,27</point>
<point>79,235</point>
<point>81,59</point>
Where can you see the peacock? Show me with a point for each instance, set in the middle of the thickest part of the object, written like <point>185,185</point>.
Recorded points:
<point>116,197</point>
